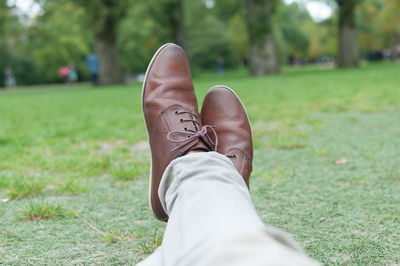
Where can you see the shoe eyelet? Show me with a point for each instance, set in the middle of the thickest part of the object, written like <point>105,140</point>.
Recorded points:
<point>181,120</point>
<point>185,129</point>
<point>234,156</point>
<point>176,112</point>
<point>188,136</point>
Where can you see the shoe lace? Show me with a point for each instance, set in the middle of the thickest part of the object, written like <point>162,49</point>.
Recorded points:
<point>191,134</point>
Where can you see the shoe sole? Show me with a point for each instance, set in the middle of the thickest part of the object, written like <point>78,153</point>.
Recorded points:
<point>148,136</point>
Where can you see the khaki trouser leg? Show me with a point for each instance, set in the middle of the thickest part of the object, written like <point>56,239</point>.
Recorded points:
<point>212,220</point>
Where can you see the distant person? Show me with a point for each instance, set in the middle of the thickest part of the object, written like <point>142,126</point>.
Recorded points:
<point>220,65</point>
<point>64,73</point>
<point>387,54</point>
<point>93,67</point>
<point>73,74</point>
<point>9,78</point>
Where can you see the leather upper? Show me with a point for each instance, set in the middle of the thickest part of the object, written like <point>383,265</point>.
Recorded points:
<point>223,109</point>
<point>171,115</point>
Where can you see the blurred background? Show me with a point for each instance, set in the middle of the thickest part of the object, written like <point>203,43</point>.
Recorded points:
<point>111,42</point>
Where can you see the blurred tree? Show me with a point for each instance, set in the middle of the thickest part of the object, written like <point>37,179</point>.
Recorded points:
<point>232,14</point>
<point>168,15</point>
<point>263,56</point>
<point>289,32</point>
<point>348,54</point>
<point>172,15</point>
<point>379,26</point>
<point>4,15</point>
<point>263,36</point>
<point>104,17</point>
<point>292,20</point>
<point>238,38</point>
<point>389,24</point>
<point>323,38</point>
<point>147,25</point>
<point>226,9</point>
<point>59,37</point>
<point>207,37</point>
<point>370,36</point>
<point>138,43</point>
<point>13,47</point>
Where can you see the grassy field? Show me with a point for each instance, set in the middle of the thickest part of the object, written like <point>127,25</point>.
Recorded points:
<point>74,163</point>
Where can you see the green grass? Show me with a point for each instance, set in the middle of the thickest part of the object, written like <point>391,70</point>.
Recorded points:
<point>22,187</point>
<point>83,151</point>
<point>44,210</point>
<point>71,187</point>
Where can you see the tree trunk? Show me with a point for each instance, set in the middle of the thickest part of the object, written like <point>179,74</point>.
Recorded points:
<point>180,34</point>
<point>110,71</point>
<point>177,23</point>
<point>395,44</point>
<point>348,43</point>
<point>263,57</point>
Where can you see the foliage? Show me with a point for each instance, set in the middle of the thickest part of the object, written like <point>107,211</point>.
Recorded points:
<point>7,21</point>
<point>64,32</point>
<point>226,9</point>
<point>58,38</point>
<point>208,38</point>
<point>102,13</point>
<point>4,15</point>
<point>238,38</point>
<point>138,44</point>
<point>379,24</point>
<point>323,41</point>
<point>170,15</point>
<point>260,18</point>
<point>291,20</point>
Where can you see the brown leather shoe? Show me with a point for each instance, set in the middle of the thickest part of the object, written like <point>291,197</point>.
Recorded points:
<point>171,116</point>
<point>223,109</point>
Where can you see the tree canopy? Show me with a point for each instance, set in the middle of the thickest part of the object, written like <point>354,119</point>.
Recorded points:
<point>127,33</point>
